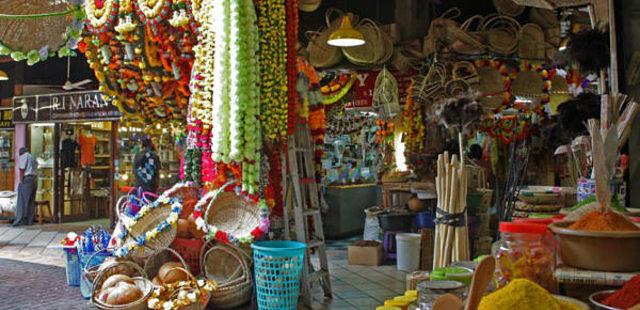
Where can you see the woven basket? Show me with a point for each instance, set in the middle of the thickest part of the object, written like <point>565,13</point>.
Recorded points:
<point>388,48</point>
<point>155,261</point>
<point>491,86</point>
<point>466,71</point>
<point>195,305</point>
<point>233,214</point>
<point>230,267</point>
<point>147,223</point>
<point>447,32</point>
<point>372,50</point>
<point>532,43</point>
<point>321,54</point>
<point>456,87</point>
<point>545,18</point>
<point>33,33</point>
<point>527,84</point>
<point>551,4</point>
<point>502,34</point>
<point>128,268</point>
<point>472,27</point>
<point>508,7</point>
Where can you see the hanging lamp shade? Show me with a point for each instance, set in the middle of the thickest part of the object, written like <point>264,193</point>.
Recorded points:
<point>346,36</point>
<point>3,76</point>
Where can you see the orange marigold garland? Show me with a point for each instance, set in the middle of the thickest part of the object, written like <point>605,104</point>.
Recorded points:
<point>413,122</point>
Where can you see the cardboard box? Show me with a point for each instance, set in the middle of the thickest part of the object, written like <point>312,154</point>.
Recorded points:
<point>365,253</point>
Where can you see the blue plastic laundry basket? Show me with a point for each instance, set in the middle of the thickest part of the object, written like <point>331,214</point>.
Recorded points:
<point>89,262</point>
<point>73,266</point>
<point>277,266</point>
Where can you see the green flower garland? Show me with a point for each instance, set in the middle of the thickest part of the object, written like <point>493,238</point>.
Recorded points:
<point>71,36</point>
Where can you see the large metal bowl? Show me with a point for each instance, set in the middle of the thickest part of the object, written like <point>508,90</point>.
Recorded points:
<point>597,297</point>
<point>598,250</point>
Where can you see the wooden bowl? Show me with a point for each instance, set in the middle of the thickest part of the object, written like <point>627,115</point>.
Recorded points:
<point>598,250</point>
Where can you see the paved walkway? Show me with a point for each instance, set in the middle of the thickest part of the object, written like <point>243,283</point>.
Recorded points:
<point>32,275</point>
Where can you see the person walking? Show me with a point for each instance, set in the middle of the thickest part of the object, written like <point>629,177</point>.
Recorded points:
<point>26,204</point>
<point>147,167</point>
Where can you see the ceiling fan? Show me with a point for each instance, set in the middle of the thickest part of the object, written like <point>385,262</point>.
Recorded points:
<point>68,85</point>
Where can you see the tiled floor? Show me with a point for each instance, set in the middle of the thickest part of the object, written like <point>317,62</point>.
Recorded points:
<point>354,287</point>
<point>358,287</point>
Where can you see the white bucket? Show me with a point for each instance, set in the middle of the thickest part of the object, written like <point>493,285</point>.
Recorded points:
<point>408,251</point>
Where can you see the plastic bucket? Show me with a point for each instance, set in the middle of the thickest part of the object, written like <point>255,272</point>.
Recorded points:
<point>425,220</point>
<point>278,266</point>
<point>408,251</point>
<point>72,266</point>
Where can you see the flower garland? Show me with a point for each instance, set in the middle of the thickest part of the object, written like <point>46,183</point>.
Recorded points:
<point>236,99</point>
<point>272,25</point>
<point>507,77</point>
<point>222,236</point>
<point>71,37</point>
<point>413,123</point>
<point>202,71</point>
<point>189,292</point>
<point>101,15</point>
<point>292,55</point>
<point>140,241</point>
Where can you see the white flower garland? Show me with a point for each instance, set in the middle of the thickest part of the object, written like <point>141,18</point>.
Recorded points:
<point>220,111</point>
<point>154,10</point>
<point>99,17</point>
<point>202,72</point>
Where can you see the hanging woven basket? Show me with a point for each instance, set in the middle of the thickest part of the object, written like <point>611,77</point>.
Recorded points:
<point>502,34</point>
<point>374,48</point>
<point>532,43</point>
<point>508,7</point>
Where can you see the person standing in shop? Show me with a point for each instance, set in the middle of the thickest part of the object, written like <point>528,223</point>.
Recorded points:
<point>147,167</point>
<point>26,204</point>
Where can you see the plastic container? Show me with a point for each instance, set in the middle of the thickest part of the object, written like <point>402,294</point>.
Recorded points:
<point>395,221</point>
<point>73,267</point>
<point>89,264</point>
<point>408,251</point>
<point>429,291</point>
<point>525,250</point>
<point>277,267</point>
<point>425,220</point>
<point>458,274</point>
<point>403,305</point>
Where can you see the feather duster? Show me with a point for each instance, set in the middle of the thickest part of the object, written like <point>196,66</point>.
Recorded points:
<point>574,113</point>
<point>590,49</point>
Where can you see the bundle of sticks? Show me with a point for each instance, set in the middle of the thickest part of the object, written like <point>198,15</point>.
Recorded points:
<point>451,235</point>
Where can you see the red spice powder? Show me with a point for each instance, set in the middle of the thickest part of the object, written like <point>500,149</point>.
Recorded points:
<point>604,221</point>
<point>626,297</point>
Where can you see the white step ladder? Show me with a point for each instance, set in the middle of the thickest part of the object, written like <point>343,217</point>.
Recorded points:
<point>306,209</point>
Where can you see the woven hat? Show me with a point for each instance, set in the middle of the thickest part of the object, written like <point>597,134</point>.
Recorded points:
<point>33,33</point>
<point>309,5</point>
<point>527,84</point>
<point>508,7</point>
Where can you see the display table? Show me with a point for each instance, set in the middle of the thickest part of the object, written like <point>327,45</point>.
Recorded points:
<point>579,283</point>
<point>347,203</point>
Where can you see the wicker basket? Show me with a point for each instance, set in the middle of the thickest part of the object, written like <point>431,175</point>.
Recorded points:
<point>502,34</point>
<point>189,250</point>
<point>527,84</point>
<point>551,4</point>
<point>321,54</point>
<point>447,32</point>
<point>545,18</point>
<point>236,215</point>
<point>33,33</point>
<point>466,71</point>
<point>508,7</point>
<point>532,42</point>
<point>154,262</point>
<point>472,27</point>
<point>372,51</point>
<point>130,269</point>
<point>149,221</point>
<point>230,267</point>
<point>203,292</point>
<point>491,86</point>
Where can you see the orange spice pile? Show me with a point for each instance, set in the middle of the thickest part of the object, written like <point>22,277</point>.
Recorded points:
<point>604,221</point>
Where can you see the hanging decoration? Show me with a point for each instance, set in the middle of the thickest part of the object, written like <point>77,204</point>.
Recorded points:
<point>292,54</point>
<point>236,136</point>
<point>272,25</point>
<point>413,123</point>
<point>46,30</point>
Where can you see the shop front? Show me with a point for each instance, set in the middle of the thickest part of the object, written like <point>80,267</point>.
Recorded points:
<point>6,150</point>
<point>73,138</point>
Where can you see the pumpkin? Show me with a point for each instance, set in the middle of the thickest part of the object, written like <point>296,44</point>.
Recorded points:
<point>167,273</point>
<point>124,293</point>
<point>115,279</point>
<point>183,229</point>
<point>193,228</point>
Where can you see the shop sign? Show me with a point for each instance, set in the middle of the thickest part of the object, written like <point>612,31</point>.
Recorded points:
<point>6,118</point>
<point>365,84</point>
<point>61,107</point>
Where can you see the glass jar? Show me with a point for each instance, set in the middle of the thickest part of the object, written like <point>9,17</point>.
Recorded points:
<point>429,291</point>
<point>525,250</point>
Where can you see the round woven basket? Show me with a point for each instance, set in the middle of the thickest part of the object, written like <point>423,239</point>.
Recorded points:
<point>445,31</point>
<point>230,267</point>
<point>527,84</point>
<point>388,48</point>
<point>508,7</point>
<point>128,268</point>
<point>236,215</point>
<point>502,34</point>
<point>155,261</point>
<point>374,48</point>
<point>532,43</point>
<point>545,18</point>
<point>149,221</point>
<point>491,86</point>
<point>456,87</point>
<point>466,71</point>
<point>321,54</point>
<point>33,33</point>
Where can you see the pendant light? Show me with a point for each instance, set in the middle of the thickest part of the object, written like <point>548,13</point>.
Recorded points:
<point>3,76</point>
<point>346,36</point>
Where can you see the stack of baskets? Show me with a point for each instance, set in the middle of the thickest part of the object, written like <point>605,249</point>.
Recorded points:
<point>538,202</point>
<point>230,267</point>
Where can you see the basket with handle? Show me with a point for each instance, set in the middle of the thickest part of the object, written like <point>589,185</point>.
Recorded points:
<point>277,266</point>
<point>133,200</point>
<point>374,48</point>
<point>551,4</point>
<point>189,249</point>
<point>155,261</point>
<point>532,42</point>
<point>200,303</point>
<point>466,71</point>
<point>92,265</point>
<point>321,54</point>
<point>472,27</point>
<point>502,33</point>
<point>446,32</point>
<point>527,84</point>
<point>232,213</point>
<point>128,268</point>
<point>230,267</point>
<point>160,212</point>
<point>491,85</point>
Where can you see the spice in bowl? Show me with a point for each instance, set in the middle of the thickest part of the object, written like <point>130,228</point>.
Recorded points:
<point>523,294</point>
<point>604,221</point>
<point>626,297</point>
